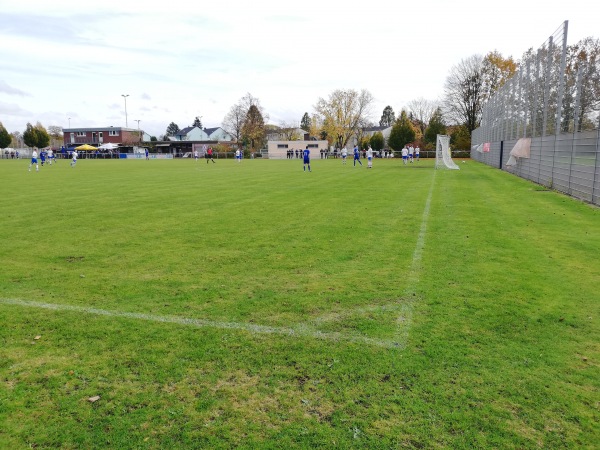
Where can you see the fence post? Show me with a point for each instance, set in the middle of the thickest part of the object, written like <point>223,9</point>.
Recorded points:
<point>547,83</point>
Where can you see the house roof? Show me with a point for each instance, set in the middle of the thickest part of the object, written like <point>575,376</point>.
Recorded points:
<point>184,131</point>
<point>210,131</point>
<point>374,128</point>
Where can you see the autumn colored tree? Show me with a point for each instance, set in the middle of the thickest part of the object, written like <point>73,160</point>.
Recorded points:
<point>253,130</point>
<point>343,113</point>
<point>496,70</point>
<point>289,131</point>
<point>236,117</point>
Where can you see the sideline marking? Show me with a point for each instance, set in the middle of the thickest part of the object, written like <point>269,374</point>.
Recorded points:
<point>300,331</point>
<point>404,320</point>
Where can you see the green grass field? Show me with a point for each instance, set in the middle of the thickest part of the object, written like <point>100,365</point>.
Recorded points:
<point>255,305</point>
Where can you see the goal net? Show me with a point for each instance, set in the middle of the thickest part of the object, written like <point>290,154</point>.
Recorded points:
<point>443,158</point>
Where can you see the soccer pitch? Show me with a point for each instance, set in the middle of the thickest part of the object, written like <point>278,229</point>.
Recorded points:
<point>179,304</point>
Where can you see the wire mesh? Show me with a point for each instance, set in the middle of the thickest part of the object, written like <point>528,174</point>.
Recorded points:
<point>553,98</point>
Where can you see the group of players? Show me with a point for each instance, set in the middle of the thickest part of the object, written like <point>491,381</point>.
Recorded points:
<point>48,155</point>
<point>208,155</point>
<point>409,154</point>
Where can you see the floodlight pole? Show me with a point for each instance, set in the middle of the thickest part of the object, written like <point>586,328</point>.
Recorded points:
<point>139,135</point>
<point>69,122</point>
<point>125,97</point>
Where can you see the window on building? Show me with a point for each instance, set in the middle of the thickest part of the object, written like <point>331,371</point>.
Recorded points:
<point>313,145</point>
<point>113,133</point>
<point>81,133</point>
<point>282,146</point>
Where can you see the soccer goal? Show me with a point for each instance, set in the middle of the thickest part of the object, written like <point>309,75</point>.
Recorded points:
<point>443,158</point>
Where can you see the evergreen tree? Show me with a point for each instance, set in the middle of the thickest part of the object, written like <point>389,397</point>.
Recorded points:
<point>305,123</point>
<point>42,136</point>
<point>377,141</point>
<point>5,138</point>
<point>402,133</point>
<point>436,126</point>
<point>388,117</point>
<point>460,138</point>
<point>29,136</point>
<point>172,129</point>
<point>197,123</point>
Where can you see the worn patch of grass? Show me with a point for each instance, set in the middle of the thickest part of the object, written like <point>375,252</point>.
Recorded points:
<point>497,329</point>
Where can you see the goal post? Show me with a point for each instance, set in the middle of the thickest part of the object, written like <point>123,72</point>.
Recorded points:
<point>443,157</point>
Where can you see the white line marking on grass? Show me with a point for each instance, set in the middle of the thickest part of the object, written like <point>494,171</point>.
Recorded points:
<point>300,331</point>
<point>404,320</point>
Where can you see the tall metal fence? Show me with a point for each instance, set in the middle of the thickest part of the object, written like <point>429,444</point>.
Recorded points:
<point>554,99</point>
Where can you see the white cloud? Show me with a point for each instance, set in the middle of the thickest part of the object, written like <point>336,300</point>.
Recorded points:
<point>6,89</point>
<point>178,61</point>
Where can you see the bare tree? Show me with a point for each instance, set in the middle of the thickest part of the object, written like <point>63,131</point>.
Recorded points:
<point>248,100</point>
<point>465,92</point>
<point>343,113</point>
<point>422,110</point>
<point>584,56</point>
<point>289,131</point>
<point>235,118</point>
<point>234,121</point>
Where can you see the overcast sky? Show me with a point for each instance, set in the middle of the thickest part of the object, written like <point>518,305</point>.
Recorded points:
<point>176,59</point>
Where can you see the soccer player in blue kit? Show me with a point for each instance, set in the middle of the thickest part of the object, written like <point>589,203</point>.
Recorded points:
<point>356,156</point>
<point>306,155</point>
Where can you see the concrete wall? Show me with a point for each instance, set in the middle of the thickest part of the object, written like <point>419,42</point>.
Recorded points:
<point>278,149</point>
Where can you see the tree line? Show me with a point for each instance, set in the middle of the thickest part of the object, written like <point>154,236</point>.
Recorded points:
<point>346,114</point>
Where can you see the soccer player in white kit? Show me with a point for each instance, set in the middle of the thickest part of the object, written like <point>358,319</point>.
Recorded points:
<point>411,152</point>
<point>34,161</point>
<point>238,156</point>
<point>404,154</point>
<point>344,155</point>
<point>50,156</point>
<point>417,152</point>
<point>74,158</point>
<point>369,158</point>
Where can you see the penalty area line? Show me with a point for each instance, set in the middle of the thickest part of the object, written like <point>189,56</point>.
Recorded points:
<point>300,331</point>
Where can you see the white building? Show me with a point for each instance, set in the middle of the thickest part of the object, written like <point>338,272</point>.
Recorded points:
<point>279,149</point>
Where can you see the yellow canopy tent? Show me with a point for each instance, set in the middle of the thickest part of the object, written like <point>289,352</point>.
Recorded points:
<point>85,147</point>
